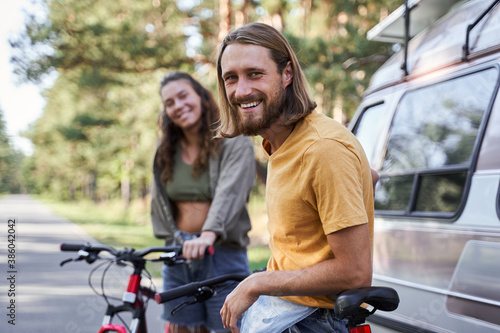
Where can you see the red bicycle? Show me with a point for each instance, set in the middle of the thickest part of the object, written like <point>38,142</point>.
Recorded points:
<point>136,296</point>
<point>355,305</point>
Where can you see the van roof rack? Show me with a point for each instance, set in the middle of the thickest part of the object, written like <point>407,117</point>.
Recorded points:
<point>444,43</point>
<point>423,14</point>
<point>413,17</point>
<point>399,28</point>
<point>466,51</point>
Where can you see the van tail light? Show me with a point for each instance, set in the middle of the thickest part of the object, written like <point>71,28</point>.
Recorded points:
<point>361,329</point>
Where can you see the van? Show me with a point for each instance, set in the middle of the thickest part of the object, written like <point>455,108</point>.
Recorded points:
<point>430,125</point>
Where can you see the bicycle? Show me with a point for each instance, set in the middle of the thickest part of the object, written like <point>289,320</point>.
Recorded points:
<point>136,296</point>
<point>355,305</point>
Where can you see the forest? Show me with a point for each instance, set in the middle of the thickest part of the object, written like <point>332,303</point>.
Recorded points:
<point>97,135</point>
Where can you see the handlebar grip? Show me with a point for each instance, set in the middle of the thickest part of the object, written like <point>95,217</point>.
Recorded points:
<point>71,247</point>
<point>185,290</point>
<point>191,288</point>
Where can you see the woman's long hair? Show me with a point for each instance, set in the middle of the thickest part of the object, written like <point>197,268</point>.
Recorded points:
<point>298,103</point>
<point>172,134</point>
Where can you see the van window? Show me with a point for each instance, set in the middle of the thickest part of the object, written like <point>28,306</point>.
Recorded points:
<point>431,145</point>
<point>498,202</point>
<point>370,127</point>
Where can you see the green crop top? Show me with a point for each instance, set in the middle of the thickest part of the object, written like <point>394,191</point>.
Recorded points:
<point>186,188</point>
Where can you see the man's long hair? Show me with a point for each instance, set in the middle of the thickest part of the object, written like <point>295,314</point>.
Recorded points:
<point>172,134</point>
<point>298,103</point>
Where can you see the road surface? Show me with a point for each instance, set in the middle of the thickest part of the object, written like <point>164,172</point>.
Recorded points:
<point>37,295</point>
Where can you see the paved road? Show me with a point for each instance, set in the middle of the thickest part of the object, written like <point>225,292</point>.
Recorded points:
<point>49,298</point>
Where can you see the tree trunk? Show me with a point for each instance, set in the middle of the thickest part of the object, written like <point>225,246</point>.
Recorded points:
<point>125,189</point>
<point>125,181</point>
<point>72,190</point>
<point>225,18</point>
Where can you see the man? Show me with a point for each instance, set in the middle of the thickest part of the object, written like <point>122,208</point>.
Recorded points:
<point>319,189</point>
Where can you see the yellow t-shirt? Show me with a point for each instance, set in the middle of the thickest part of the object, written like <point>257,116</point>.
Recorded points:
<point>318,182</point>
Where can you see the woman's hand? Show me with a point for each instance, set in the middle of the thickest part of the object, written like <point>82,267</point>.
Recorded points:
<point>196,248</point>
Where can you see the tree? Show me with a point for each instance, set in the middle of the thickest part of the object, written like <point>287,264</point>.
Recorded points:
<point>10,162</point>
<point>103,106</point>
<point>101,38</point>
<point>97,135</point>
<point>338,59</point>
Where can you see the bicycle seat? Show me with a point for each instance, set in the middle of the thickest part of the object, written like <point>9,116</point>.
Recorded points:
<point>381,298</point>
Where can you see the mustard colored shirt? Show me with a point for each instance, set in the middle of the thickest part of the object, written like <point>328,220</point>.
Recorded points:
<point>318,182</point>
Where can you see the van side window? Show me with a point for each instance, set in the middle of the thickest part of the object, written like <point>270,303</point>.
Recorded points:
<point>370,127</point>
<point>498,202</point>
<point>431,144</point>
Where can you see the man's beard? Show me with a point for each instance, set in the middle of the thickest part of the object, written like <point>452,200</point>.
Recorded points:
<point>272,109</point>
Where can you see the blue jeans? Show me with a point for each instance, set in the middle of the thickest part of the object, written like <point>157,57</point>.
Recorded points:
<point>223,261</point>
<point>273,314</point>
<point>321,320</point>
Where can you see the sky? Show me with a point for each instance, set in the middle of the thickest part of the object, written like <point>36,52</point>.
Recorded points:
<point>22,104</point>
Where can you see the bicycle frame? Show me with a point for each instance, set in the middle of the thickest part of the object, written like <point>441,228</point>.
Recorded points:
<point>131,302</point>
<point>133,298</point>
<point>361,329</point>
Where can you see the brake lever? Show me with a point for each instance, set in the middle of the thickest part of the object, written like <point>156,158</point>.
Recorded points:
<point>170,258</point>
<point>203,294</point>
<point>181,306</point>
<point>90,257</point>
<point>64,262</point>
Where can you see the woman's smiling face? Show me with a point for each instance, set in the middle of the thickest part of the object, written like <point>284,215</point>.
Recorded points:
<point>182,104</point>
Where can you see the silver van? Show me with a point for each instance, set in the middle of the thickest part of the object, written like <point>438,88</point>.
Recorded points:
<point>430,126</point>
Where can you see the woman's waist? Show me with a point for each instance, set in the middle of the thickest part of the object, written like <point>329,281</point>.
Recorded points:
<point>191,215</point>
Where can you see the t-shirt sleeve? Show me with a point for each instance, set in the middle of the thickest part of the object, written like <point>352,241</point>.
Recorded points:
<point>332,184</point>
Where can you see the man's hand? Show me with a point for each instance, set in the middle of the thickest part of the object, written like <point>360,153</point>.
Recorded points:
<point>238,301</point>
<point>195,248</point>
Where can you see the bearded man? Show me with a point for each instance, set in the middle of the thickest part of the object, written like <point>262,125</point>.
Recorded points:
<point>319,189</point>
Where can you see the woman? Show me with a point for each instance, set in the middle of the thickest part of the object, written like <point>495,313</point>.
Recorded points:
<point>199,197</point>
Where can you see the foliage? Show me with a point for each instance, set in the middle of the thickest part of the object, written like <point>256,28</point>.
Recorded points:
<point>97,136</point>
<point>110,223</point>
<point>101,38</point>
<point>113,224</point>
<point>10,162</point>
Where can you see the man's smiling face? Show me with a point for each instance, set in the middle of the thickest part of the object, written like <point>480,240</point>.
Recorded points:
<point>253,86</point>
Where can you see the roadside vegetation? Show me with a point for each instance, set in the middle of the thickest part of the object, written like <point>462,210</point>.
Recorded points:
<point>94,143</point>
<point>96,137</point>
<point>112,224</point>
<point>11,161</point>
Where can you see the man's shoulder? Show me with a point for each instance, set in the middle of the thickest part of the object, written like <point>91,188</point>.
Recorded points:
<point>324,134</point>
<point>324,127</point>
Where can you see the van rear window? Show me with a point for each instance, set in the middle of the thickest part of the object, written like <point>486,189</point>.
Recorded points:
<point>431,146</point>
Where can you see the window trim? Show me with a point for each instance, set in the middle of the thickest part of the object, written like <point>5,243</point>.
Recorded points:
<point>357,120</point>
<point>417,177</point>
<point>470,169</point>
<point>498,201</point>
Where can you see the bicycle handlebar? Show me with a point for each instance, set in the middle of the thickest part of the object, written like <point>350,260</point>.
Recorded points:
<point>193,287</point>
<point>87,247</point>
<point>71,247</point>
<point>140,253</point>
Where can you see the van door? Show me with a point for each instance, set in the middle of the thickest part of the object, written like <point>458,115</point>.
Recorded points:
<point>437,229</point>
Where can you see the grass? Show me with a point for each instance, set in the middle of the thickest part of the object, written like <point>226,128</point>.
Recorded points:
<point>258,255</point>
<point>113,224</point>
